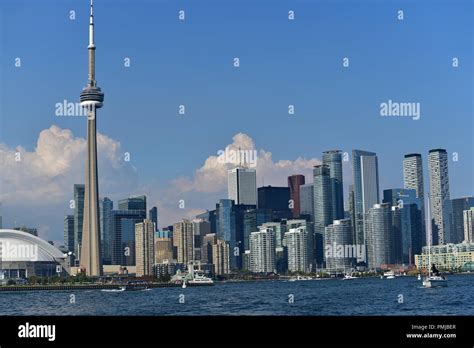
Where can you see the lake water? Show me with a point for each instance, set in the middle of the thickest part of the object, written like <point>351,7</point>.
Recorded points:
<point>400,296</point>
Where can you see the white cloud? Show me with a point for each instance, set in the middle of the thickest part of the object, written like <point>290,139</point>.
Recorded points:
<point>46,175</point>
<point>36,190</point>
<point>208,183</point>
<point>212,176</point>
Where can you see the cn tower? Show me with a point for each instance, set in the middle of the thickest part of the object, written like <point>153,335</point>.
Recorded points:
<point>91,99</point>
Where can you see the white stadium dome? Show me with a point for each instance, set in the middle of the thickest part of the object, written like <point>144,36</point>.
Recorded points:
<point>23,254</point>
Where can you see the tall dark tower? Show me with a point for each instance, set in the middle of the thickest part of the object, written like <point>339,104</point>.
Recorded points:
<point>91,99</point>
<point>294,183</point>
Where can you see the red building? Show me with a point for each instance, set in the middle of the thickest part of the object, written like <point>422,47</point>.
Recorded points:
<point>294,183</point>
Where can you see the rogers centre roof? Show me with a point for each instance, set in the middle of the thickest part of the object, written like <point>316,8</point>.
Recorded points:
<point>22,246</point>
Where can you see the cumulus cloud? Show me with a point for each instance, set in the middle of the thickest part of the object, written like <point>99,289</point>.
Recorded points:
<point>203,188</point>
<point>36,186</point>
<point>46,174</point>
<point>212,175</point>
<point>36,190</point>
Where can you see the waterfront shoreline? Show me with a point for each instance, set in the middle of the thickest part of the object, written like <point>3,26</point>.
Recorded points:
<point>57,287</point>
<point>69,287</point>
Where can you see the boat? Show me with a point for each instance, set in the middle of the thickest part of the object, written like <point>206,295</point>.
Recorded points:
<point>199,279</point>
<point>419,276</point>
<point>299,277</point>
<point>191,278</point>
<point>389,275</point>
<point>304,278</point>
<point>435,282</point>
<point>134,285</point>
<point>434,278</point>
<point>349,277</point>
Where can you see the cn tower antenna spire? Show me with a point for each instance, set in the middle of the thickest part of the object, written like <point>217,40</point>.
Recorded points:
<point>91,47</point>
<point>91,26</point>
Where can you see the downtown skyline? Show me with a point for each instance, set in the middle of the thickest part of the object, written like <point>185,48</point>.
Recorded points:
<point>155,165</point>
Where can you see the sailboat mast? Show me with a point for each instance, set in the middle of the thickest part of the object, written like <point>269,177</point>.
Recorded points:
<point>430,235</point>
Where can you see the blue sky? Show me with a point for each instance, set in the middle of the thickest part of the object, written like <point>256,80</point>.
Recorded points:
<point>282,62</point>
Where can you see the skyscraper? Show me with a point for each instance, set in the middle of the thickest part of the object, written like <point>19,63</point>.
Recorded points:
<point>144,247</point>
<point>339,249</point>
<point>220,257</point>
<point>242,185</point>
<point>153,216</point>
<point>262,251</point>
<point>366,188</point>
<point>132,203</point>
<point>413,179</point>
<point>396,235</point>
<point>201,227</point>
<point>322,207</point>
<point>296,223</point>
<point>230,228</point>
<point>407,222</point>
<point>163,249</point>
<point>123,235</point>
<point>401,197</point>
<point>183,241</point>
<point>351,203</point>
<point>294,183</point>
<point>277,199</point>
<point>69,232</point>
<point>78,217</point>
<point>252,218</point>
<point>454,220</point>
<point>105,207</point>
<point>468,219</point>
<point>379,233</point>
<point>439,193</point>
<point>206,249</point>
<point>298,247</point>
<point>307,201</point>
<point>209,215</point>
<point>225,226</point>
<point>92,99</point>
<point>333,159</point>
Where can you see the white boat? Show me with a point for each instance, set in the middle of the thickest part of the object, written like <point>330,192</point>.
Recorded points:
<point>199,279</point>
<point>298,278</point>
<point>191,278</point>
<point>349,277</point>
<point>304,278</point>
<point>389,275</point>
<point>419,276</point>
<point>435,282</point>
